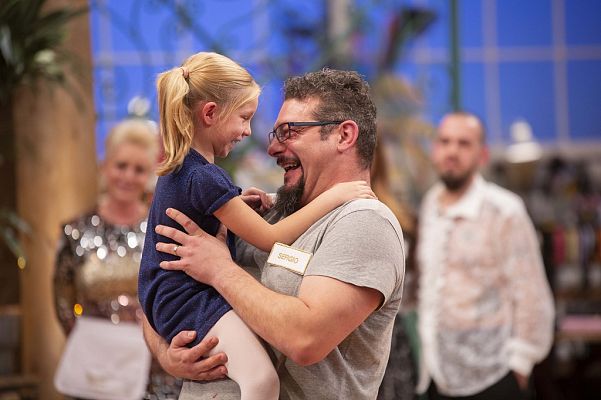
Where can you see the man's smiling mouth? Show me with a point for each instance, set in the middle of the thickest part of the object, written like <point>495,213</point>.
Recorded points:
<point>289,165</point>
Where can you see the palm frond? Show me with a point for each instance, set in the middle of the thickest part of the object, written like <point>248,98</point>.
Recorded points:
<point>30,43</point>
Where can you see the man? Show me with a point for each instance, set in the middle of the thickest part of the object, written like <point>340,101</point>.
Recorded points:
<point>329,320</point>
<point>484,304</point>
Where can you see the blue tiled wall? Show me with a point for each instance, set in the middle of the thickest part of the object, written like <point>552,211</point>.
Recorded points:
<point>536,59</point>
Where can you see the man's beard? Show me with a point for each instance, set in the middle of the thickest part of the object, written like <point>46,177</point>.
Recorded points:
<point>456,183</point>
<point>288,199</point>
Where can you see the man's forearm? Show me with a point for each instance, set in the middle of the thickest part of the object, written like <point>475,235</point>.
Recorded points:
<point>281,320</point>
<point>305,328</point>
<point>153,340</point>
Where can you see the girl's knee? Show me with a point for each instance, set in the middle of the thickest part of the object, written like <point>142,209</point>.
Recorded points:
<point>264,384</point>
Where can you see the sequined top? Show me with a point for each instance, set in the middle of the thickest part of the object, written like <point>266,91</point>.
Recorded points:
<point>484,302</point>
<point>97,275</point>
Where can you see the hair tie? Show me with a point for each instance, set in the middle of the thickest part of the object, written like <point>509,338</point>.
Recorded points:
<point>185,72</point>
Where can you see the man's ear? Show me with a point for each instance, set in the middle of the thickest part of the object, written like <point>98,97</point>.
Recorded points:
<point>348,132</point>
<point>207,113</point>
<point>484,156</point>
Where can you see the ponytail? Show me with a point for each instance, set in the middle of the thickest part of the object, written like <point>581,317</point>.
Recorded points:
<point>176,119</point>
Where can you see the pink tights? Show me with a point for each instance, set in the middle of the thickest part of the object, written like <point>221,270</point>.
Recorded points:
<point>248,363</point>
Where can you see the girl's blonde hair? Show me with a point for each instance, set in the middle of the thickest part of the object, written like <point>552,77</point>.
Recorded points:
<point>202,77</point>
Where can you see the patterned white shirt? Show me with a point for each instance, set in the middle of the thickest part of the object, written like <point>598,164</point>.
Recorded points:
<point>485,306</point>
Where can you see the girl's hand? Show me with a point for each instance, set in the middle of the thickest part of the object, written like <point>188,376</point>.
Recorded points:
<point>345,191</point>
<point>257,199</point>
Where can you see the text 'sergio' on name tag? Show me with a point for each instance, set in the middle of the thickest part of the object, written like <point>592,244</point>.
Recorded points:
<point>290,258</point>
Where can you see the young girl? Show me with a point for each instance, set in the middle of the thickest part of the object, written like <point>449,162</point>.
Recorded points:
<point>205,108</point>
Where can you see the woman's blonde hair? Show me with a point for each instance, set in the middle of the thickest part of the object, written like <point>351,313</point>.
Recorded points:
<point>202,77</point>
<point>135,131</point>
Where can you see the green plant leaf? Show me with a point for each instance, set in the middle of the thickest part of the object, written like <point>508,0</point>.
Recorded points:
<point>12,242</point>
<point>25,33</point>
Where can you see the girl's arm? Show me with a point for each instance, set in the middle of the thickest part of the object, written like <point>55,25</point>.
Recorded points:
<point>238,217</point>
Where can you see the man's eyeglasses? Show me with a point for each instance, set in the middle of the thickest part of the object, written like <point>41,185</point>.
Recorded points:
<point>283,131</point>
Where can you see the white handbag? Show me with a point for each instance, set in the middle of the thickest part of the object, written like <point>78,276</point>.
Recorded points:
<point>104,361</point>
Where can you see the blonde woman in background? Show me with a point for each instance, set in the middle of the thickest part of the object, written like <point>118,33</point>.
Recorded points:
<point>99,255</point>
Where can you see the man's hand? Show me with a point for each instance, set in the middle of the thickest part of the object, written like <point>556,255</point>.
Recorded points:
<point>522,380</point>
<point>184,362</point>
<point>188,363</point>
<point>201,255</point>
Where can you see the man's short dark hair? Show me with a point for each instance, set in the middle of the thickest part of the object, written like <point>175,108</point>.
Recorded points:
<point>342,95</point>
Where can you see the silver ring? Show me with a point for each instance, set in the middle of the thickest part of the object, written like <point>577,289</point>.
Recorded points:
<point>175,249</point>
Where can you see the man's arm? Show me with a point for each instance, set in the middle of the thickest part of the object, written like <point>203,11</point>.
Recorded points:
<point>533,309</point>
<point>305,328</point>
<point>183,362</point>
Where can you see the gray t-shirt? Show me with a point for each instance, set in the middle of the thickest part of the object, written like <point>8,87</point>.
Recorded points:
<point>359,243</point>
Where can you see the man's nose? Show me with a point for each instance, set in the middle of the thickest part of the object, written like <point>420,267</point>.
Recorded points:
<point>275,147</point>
<point>452,148</point>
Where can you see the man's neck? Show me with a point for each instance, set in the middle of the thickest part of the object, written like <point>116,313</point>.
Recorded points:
<point>332,179</point>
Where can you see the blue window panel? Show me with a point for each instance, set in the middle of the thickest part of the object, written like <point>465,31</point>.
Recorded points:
<point>226,24</point>
<point>95,20</point>
<point>294,30</point>
<point>437,35</point>
<point>101,126</point>
<point>583,22</point>
<point>289,18</point>
<point>409,71</point>
<point>436,87</point>
<point>470,23</point>
<point>148,84</point>
<point>527,91</point>
<point>584,100</point>
<point>373,34</point>
<point>115,87</point>
<point>473,93</point>
<point>378,19</point>
<point>524,23</point>
<point>100,89</point>
<point>269,105</point>
<point>137,26</point>
<point>153,26</point>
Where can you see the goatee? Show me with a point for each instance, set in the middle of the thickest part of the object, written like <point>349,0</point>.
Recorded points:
<point>288,199</point>
<point>455,183</point>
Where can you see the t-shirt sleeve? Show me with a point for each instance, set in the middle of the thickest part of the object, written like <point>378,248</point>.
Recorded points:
<point>361,248</point>
<point>210,188</point>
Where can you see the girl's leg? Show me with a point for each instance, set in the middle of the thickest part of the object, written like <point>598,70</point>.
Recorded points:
<point>248,363</point>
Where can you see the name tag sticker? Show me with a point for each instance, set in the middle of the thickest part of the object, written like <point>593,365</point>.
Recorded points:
<point>290,258</point>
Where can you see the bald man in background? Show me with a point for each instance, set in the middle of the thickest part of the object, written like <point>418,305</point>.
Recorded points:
<point>485,307</point>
